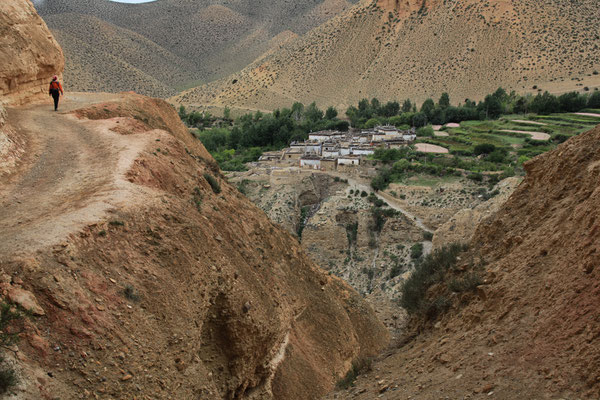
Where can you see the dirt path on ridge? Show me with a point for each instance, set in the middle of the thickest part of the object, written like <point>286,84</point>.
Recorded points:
<point>73,176</point>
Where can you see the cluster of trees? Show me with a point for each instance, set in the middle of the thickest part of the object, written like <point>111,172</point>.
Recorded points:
<point>371,113</point>
<point>235,142</point>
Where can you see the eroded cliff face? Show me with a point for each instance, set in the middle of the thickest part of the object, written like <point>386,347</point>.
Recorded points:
<point>30,55</point>
<point>186,292</point>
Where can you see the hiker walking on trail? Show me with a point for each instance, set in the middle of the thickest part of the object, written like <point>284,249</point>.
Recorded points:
<point>55,90</point>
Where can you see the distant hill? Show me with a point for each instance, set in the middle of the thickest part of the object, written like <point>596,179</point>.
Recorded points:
<point>162,47</point>
<point>394,49</point>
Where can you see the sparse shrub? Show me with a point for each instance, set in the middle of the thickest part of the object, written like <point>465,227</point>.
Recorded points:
<point>8,378</point>
<point>197,198</point>
<point>475,176</point>
<point>214,184</point>
<point>363,194</point>
<point>130,293</point>
<point>8,313</point>
<point>352,233</point>
<point>116,223</point>
<point>430,271</point>
<point>438,306</point>
<point>102,233</point>
<point>359,366</point>
<point>428,236</point>
<point>416,251</point>
<point>467,284</point>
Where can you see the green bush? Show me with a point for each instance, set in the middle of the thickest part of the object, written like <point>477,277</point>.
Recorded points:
<point>484,148</point>
<point>214,184</point>
<point>430,271</point>
<point>428,236</point>
<point>8,378</point>
<point>416,251</point>
<point>467,284</point>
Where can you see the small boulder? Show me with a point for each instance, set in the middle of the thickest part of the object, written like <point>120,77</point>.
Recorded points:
<point>25,299</point>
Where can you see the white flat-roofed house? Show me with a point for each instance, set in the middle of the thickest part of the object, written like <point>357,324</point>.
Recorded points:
<point>344,151</point>
<point>292,154</point>
<point>387,130</point>
<point>363,151</point>
<point>348,160</point>
<point>361,138</point>
<point>326,136</point>
<point>330,150</point>
<point>312,162</point>
<point>378,137</point>
<point>409,137</point>
<point>313,148</point>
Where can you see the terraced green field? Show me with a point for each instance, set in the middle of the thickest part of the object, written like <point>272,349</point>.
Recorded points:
<point>520,135</point>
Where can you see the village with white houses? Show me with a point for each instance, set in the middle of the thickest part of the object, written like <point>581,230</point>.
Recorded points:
<point>330,150</point>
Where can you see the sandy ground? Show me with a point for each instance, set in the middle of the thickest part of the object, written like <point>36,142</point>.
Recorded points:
<point>75,177</point>
<point>452,125</point>
<point>588,115</point>
<point>440,133</point>
<point>430,148</point>
<point>521,121</point>
<point>534,135</point>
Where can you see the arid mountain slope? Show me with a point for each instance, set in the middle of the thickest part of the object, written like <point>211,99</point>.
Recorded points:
<point>394,50</point>
<point>531,331</point>
<point>160,47</point>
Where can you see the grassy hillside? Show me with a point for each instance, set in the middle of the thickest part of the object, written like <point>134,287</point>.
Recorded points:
<point>161,47</point>
<point>419,49</point>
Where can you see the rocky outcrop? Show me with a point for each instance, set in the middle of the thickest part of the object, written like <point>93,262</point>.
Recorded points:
<point>461,226</point>
<point>30,55</point>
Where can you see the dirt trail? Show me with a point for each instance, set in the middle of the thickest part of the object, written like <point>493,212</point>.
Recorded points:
<point>74,175</point>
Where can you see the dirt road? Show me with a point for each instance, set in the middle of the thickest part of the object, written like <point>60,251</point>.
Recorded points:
<point>74,175</point>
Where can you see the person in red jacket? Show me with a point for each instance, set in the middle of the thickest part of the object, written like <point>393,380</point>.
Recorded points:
<point>55,91</point>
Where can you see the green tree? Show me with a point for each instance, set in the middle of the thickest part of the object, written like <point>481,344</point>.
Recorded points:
<point>594,100</point>
<point>444,101</point>
<point>312,113</point>
<point>419,119</point>
<point>331,113</point>
<point>406,106</point>
<point>427,107</point>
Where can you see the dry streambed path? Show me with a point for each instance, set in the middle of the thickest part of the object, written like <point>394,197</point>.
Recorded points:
<point>74,175</point>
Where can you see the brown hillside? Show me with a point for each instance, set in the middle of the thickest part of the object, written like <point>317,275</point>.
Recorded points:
<point>532,330</point>
<point>222,303</point>
<point>395,50</point>
<point>160,47</point>
<point>145,273</point>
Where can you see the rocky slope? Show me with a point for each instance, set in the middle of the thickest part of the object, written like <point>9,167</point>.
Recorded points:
<point>30,55</point>
<point>160,47</point>
<point>461,227</point>
<point>180,292</point>
<point>531,330</point>
<point>394,50</point>
<point>147,275</point>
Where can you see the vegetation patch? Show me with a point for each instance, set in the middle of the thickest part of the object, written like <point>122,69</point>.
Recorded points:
<point>427,273</point>
<point>212,181</point>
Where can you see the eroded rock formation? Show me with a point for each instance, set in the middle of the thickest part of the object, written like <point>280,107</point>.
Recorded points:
<point>30,55</point>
